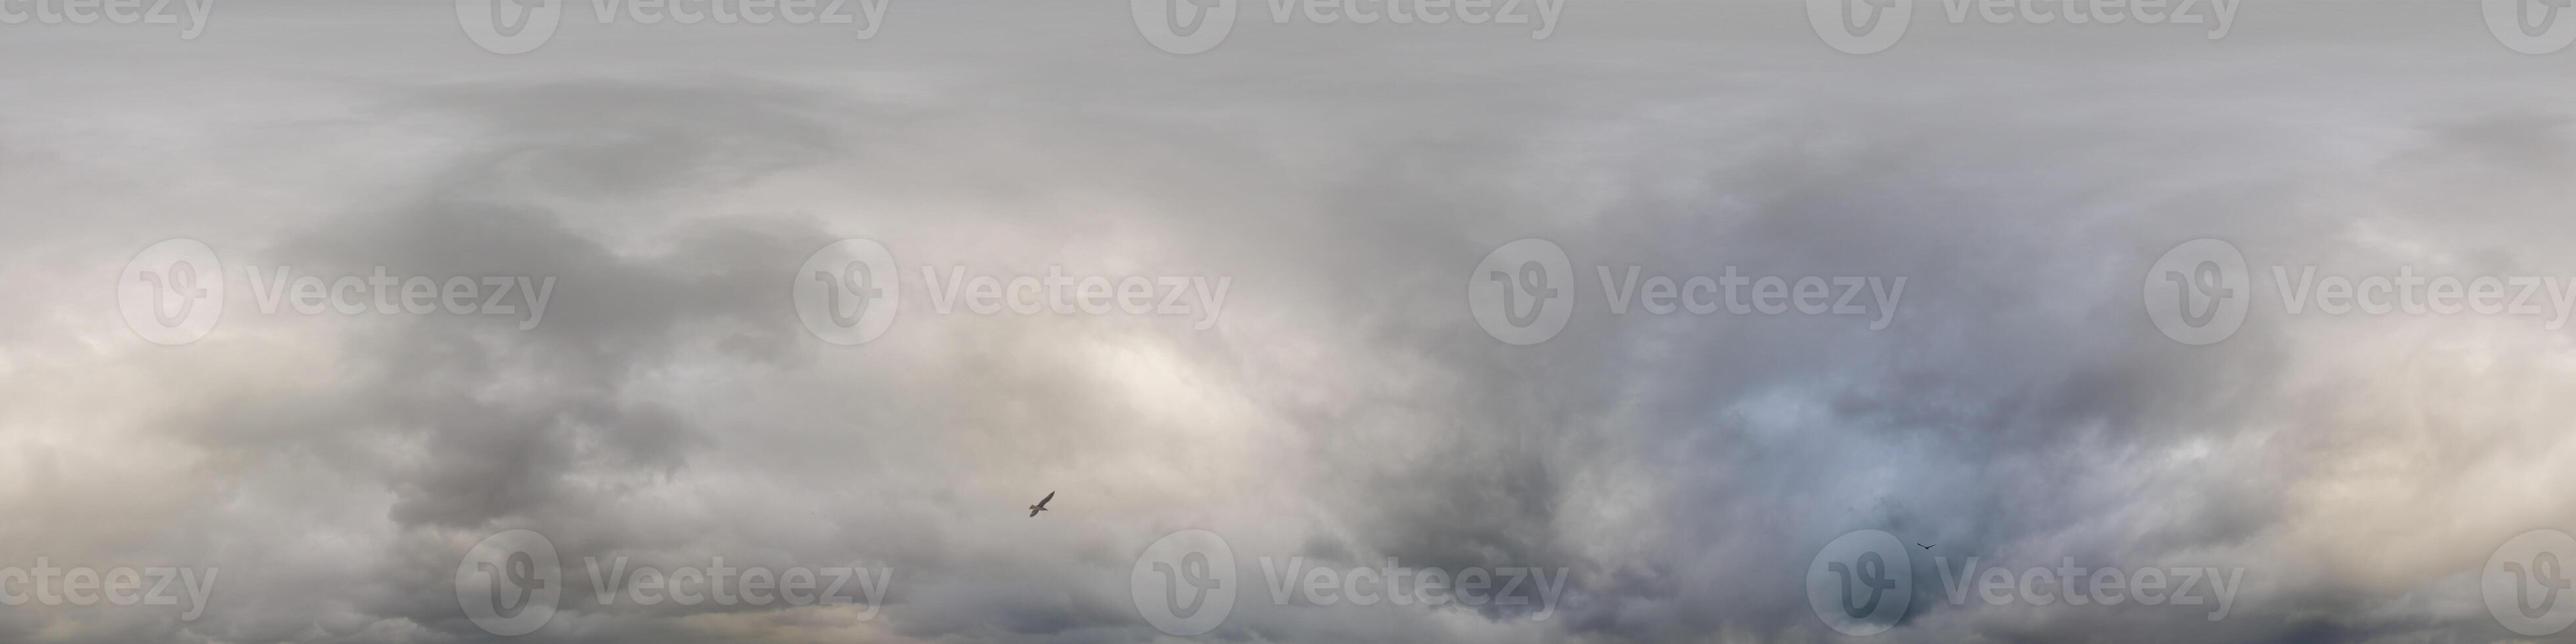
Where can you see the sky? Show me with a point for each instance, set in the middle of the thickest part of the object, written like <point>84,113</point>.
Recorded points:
<point>372,322</point>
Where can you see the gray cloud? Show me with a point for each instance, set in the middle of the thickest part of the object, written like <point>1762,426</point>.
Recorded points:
<point>1346,408</point>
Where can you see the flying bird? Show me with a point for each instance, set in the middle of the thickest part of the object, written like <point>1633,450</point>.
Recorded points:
<point>1041,506</point>
<point>1924,547</point>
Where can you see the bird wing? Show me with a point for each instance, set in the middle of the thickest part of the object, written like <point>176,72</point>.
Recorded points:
<point>1050,497</point>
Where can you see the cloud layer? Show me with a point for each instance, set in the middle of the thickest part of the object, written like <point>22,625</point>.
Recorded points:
<point>1345,407</point>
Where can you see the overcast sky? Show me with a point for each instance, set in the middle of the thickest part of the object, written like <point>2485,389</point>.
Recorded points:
<point>1310,207</point>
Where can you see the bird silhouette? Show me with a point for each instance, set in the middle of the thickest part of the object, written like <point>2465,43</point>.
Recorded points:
<point>1041,506</point>
<point>1927,547</point>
